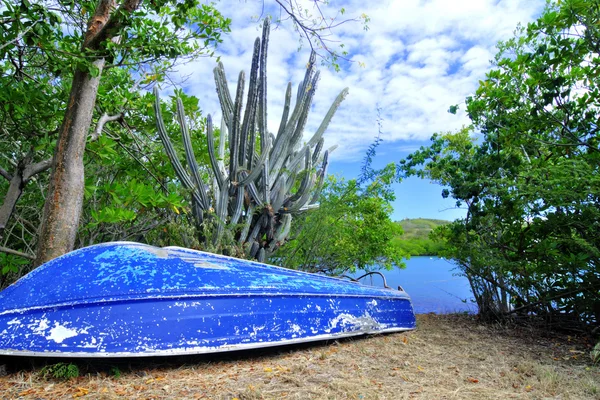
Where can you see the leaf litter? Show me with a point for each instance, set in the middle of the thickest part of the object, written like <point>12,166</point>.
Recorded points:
<point>447,357</point>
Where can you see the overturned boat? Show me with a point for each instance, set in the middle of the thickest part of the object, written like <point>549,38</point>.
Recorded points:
<point>132,300</point>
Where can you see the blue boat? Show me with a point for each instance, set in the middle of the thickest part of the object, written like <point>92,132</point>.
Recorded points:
<point>132,300</point>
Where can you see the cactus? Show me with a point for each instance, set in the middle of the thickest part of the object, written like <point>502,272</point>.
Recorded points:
<point>255,195</point>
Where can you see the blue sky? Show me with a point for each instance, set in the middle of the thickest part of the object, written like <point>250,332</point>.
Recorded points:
<point>417,58</point>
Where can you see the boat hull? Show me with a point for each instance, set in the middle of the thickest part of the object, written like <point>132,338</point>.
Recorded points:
<point>154,321</point>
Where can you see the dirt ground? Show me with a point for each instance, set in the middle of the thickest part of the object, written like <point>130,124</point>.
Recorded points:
<point>447,357</point>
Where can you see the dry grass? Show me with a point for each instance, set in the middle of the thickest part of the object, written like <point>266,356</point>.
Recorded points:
<point>448,357</point>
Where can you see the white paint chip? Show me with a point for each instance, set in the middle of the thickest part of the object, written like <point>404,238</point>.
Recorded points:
<point>60,333</point>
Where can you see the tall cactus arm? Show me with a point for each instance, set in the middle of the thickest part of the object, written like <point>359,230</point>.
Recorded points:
<point>281,233</point>
<point>279,182</point>
<point>250,106</point>
<point>234,142</point>
<point>262,92</point>
<point>299,131</point>
<point>317,151</point>
<point>280,140</point>
<point>328,151</point>
<point>295,161</point>
<point>252,140</point>
<point>253,248</point>
<point>247,223</point>
<point>237,206</point>
<point>336,103</point>
<point>256,171</point>
<point>197,212</point>
<point>308,207</point>
<point>189,155</point>
<point>306,179</point>
<point>223,92</point>
<point>320,178</point>
<point>257,226</point>
<point>325,163</point>
<point>303,89</point>
<point>299,108</point>
<point>251,188</point>
<point>280,147</point>
<point>292,133</point>
<point>278,162</point>
<point>266,187</point>
<point>210,139</point>
<point>222,203</point>
<point>283,230</point>
<point>302,201</point>
<point>185,178</point>
<point>261,120</point>
<point>286,109</point>
<point>279,198</point>
<point>261,255</point>
<point>310,67</point>
<point>221,159</point>
<point>307,159</point>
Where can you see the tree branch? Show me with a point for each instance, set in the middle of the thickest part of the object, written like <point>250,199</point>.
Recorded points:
<point>5,174</point>
<point>34,169</point>
<point>16,253</point>
<point>102,121</point>
<point>20,36</point>
<point>316,32</point>
<point>22,175</point>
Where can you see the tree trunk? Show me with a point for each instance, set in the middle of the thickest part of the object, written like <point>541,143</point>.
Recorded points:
<point>65,193</point>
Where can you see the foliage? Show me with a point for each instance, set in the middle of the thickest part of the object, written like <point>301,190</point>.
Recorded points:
<point>249,202</point>
<point>530,242</point>
<point>351,230</point>
<point>416,240</point>
<point>419,228</point>
<point>40,54</point>
<point>115,372</point>
<point>595,354</point>
<point>61,371</point>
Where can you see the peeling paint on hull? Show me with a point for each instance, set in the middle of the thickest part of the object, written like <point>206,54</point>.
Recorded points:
<point>132,300</point>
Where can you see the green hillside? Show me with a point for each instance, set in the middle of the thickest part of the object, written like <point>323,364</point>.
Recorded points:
<point>415,240</point>
<point>419,228</point>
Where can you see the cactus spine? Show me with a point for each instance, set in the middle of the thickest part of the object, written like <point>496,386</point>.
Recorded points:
<point>256,194</point>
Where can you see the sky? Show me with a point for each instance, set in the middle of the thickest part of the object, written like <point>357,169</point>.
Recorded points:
<point>417,58</point>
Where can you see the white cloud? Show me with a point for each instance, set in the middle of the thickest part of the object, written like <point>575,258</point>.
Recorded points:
<point>420,56</point>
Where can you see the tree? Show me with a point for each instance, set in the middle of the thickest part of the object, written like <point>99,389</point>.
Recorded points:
<point>530,241</point>
<point>314,26</point>
<point>49,50</point>
<point>351,230</point>
<point>113,33</point>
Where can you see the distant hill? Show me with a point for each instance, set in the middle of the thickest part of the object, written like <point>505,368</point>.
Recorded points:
<point>415,240</point>
<point>419,228</point>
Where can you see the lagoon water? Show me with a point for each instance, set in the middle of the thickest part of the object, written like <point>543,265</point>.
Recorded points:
<point>432,284</point>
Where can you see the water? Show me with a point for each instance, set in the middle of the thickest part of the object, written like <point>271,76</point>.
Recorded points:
<point>432,285</point>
